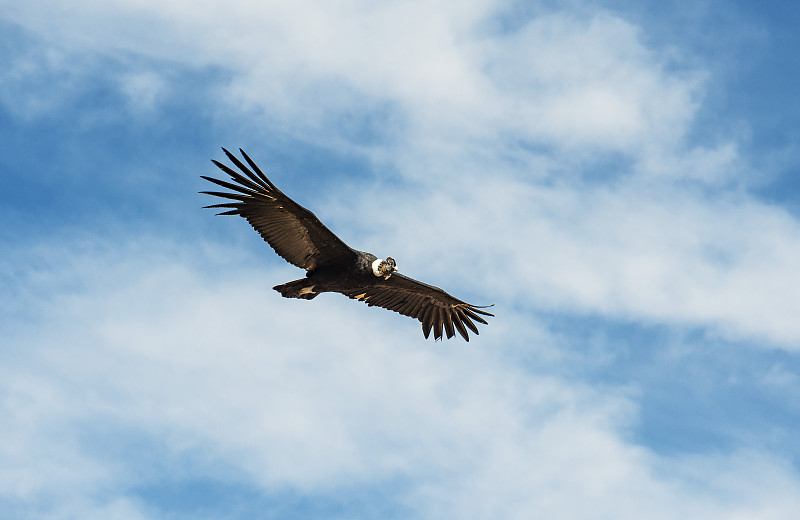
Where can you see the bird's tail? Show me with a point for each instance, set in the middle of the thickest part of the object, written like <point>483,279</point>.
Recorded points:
<point>302,288</point>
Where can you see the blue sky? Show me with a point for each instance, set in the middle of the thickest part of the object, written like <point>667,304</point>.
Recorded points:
<point>620,180</point>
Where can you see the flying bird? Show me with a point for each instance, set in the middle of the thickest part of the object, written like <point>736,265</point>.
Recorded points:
<point>298,236</point>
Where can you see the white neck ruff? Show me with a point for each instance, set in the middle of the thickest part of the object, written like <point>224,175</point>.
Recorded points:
<point>375,265</point>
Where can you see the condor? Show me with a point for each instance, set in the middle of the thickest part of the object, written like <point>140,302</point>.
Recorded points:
<point>298,236</point>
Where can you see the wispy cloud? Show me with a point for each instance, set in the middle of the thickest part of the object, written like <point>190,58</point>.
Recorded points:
<point>195,361</point>
<point>545,161</point>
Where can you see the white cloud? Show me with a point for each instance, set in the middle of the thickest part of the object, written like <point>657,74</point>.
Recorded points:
<point>143,90</point>
<point>638,251</point>
<point>566,80</point>
<point>580,82</point>
<point>205,360</point>
<point>493,138</point>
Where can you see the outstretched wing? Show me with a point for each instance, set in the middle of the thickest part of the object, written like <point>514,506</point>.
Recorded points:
<point>432,306</point>
<point>295,233</point>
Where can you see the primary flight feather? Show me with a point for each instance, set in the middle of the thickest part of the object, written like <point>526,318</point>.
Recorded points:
<point>298,236</point>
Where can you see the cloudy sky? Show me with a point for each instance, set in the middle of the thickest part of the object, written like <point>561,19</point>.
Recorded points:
<point>622,182</point>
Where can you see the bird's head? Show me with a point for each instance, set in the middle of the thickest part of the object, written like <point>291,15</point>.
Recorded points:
<point>388,266</point>
<point>384,268</point>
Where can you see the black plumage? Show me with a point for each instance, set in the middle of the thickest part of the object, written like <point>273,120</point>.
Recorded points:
<point>299,237</point>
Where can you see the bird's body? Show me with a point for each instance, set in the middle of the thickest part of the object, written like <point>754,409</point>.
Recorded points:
<point>334,277</point>
<point>299,237</point>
